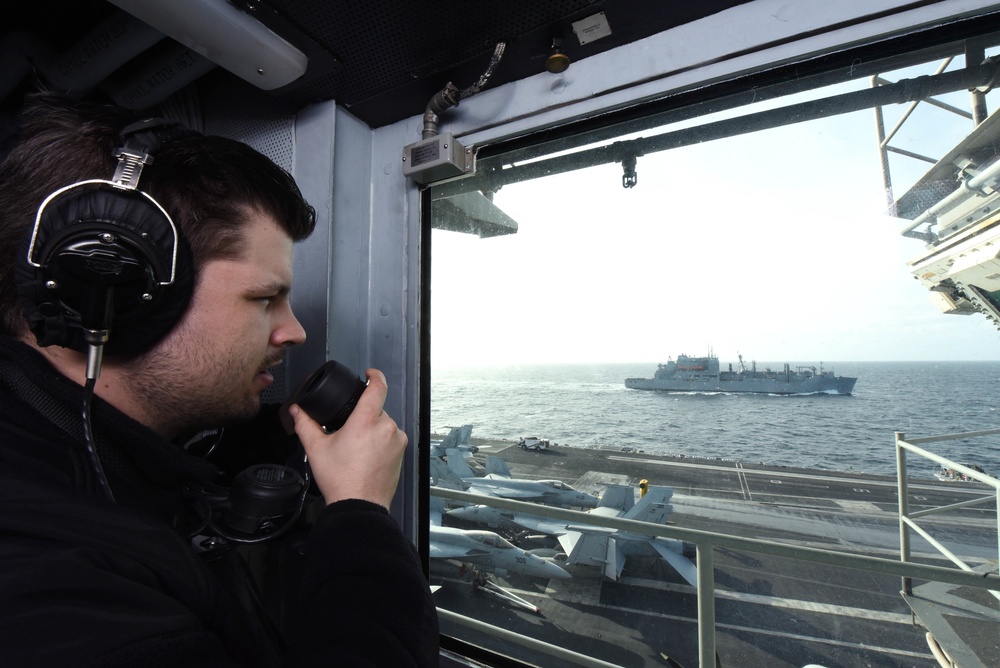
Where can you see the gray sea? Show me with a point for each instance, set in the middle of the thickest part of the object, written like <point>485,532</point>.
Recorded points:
<point>587,405</point>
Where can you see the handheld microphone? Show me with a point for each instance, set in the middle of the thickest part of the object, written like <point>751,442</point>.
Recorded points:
<point>328,396</point>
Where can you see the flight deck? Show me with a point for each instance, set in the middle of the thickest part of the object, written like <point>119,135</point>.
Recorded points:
<point>769,611</point>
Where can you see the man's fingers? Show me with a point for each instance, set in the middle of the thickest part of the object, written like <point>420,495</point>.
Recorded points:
<point>305,426</point>
<point>373,398</point>
<point>363,459</point>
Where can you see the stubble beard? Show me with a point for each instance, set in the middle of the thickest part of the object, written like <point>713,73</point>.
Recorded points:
<point>186,392</point>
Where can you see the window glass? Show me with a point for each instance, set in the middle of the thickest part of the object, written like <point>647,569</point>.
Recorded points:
<point>777,271</point>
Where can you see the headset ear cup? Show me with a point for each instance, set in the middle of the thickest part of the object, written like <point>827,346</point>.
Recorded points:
<point>92,239</point>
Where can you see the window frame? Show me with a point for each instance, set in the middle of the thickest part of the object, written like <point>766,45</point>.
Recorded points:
<point>528,134</point>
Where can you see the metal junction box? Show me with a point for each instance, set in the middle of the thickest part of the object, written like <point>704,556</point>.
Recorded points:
<point>436,158</point>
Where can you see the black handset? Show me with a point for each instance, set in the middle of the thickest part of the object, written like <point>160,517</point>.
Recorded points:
<point>328,396</point>
<point>266,500</point>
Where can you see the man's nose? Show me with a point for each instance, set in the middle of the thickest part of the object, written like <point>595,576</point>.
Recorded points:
<point>288,331</point>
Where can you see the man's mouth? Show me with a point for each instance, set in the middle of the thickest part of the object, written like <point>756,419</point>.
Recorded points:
<point>265,373</point>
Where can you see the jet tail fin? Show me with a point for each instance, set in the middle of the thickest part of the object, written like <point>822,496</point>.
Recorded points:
<point>436,508</point>
<point>442,476</point>
<point>654,507</point>
<point>452,439</point>
<point>497,466</point>
<point>458,465</point>
<point>619,497</point>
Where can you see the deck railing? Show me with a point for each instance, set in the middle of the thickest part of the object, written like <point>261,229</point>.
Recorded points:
<point>907,520</point>
<point>706,543</point>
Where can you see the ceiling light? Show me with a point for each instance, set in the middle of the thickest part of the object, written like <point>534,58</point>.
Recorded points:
<point>225,35</point>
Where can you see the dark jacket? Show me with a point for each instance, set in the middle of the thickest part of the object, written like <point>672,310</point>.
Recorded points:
<point>89,582</point>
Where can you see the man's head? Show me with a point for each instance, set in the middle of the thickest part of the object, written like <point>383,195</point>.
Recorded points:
<point>209,185</point>
<point>238,212</point>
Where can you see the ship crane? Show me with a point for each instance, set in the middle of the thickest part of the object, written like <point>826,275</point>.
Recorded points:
<point>743,367</point>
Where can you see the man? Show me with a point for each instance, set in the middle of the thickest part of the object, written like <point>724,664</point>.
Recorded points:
<point>99,563</point>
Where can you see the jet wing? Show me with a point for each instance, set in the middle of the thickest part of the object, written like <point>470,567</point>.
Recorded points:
<point>615,560</point>
<point>569,540</point>
<point>597,549</point>
<point>543,525</point>
<point>503,493</point>
<point>681,564</point>
<point>585,548</point>
<point>445,551</point>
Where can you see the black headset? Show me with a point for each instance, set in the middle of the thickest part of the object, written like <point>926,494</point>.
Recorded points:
<point>104,256</point>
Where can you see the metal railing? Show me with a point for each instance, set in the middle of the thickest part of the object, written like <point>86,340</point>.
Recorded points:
<point>706,543</point>
<point>907,520</point>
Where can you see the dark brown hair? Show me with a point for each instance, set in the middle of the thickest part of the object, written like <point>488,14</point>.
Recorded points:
<point>207,184</point>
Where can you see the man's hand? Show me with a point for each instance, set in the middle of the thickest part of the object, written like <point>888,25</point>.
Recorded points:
<point>363,458</point>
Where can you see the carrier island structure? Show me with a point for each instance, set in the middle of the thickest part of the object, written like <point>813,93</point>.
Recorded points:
<point>702,374</point>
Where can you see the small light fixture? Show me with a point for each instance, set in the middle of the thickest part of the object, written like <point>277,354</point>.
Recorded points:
<point>557,61</point>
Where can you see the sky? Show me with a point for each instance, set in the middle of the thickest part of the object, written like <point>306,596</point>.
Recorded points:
<point>775,245</point>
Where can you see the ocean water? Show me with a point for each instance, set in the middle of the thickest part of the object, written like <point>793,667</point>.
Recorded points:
<point>587,405</point>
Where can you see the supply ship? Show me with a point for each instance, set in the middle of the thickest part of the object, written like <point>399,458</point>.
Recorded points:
<point>702,374</point>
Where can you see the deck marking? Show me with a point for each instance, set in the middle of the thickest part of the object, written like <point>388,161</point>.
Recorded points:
<point>782,634</point>
<point>773,601</point>
<point>789,474</point>
<point>779,634</point>
<point>859,506</point>
<point>744,483</point>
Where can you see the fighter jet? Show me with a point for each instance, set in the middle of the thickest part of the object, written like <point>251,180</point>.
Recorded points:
<point>609,548</point>
<point>597,548</point>
<point>485,550</point>
<point>620,498</point>
<point>498,482</point>
<point>490,552</point>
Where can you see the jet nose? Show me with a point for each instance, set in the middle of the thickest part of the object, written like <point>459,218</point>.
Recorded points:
<point>463,512</point>
<point>554,571</point>
<point>473,513</point>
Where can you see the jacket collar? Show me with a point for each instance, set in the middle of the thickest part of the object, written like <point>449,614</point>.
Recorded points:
<point>38,397</point>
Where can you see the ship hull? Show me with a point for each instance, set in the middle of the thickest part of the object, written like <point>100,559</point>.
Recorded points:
<point>839,385</point>
<point>704,374</point>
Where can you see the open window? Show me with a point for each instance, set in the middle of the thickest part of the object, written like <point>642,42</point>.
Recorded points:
<point>778,224</point>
